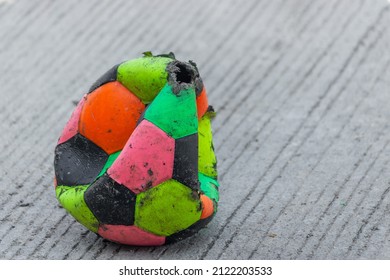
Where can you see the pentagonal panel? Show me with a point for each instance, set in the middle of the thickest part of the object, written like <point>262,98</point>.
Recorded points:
<point>109,116</point>
<point>109,76</point>
<point>185,167</point>
<point>130,235</point>
<point>167,208</point>
<point>110,202</point>
<point>78,161</point>
<point>146,160</point>
<point>71,126</point>
<point>174,113</point>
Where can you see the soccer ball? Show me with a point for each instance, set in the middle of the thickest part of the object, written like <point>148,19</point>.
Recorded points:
<point>135,163</point>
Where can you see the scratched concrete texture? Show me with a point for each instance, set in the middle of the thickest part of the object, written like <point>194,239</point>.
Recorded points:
<point>301,89</point>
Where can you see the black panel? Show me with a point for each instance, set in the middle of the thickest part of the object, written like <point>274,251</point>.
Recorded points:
<point>110,202</point>
<point>185,167</point>
<point>178,236</point>
<point>78,161</point>
<point>109,76</point>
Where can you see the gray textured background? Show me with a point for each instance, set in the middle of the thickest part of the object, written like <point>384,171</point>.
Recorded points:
<point>302,136</point>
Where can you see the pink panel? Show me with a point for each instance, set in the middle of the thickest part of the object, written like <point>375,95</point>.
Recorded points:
<point>71,127</point>
<point>130,235</point>
<point>146,160</point>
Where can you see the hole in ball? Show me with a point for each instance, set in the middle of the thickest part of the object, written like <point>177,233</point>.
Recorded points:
<point>184,74</point>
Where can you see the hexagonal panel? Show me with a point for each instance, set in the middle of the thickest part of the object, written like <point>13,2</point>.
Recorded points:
<point>78,161</point>
<point>207,206</point>
<point>72,199</point>
<point>202,103</point>
<point>72,125</point>
<point>145,76</point>
<point>146,160</point>
<point>207,159</point>
<point>109,76</point>
<point>185,167</point>
<point>130,235</point>
<point>167,208</point>
<point>174,113</point>
<point>110,202</point>
<point>209,186</point>
<point>109,116</point>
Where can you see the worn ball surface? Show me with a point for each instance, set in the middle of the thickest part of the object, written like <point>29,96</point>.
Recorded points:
<point>135,163</point>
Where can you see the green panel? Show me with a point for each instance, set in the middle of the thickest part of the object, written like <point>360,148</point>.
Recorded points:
<point>72,199</point>
<point>209,186</point>
<point>175,114</point>
<point>207,160</point>
<point>109,162</point>
<point>167,208</point>
<point>144,77</point>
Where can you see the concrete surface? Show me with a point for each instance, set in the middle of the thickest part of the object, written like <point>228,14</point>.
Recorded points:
<point>302,92</point>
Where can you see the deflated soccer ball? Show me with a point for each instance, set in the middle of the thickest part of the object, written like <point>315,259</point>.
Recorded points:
<point>135,163</point>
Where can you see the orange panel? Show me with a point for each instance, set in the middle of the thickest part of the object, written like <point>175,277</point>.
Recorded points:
<point>202,103</point>
<point>207,205</point>
<point>109,116</point>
